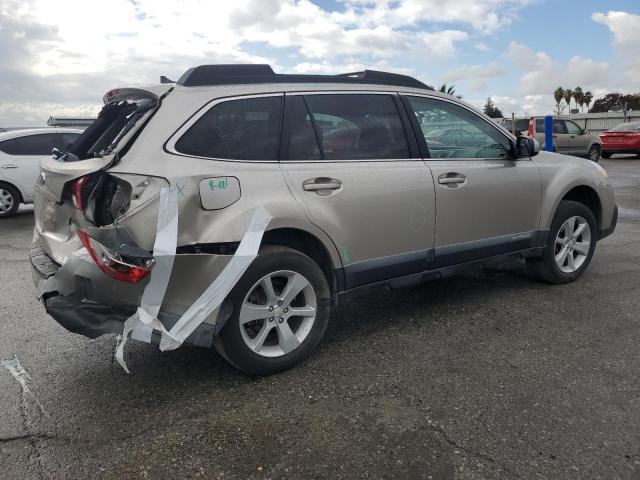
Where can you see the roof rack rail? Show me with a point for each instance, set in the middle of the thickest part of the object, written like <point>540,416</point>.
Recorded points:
<point>205,75</point>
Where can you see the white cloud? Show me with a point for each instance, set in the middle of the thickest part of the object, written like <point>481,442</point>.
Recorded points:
<point>485,16</point>
<point>626,39</point>
<point>477,77</point>
<point>72,51</point>
<point>28,114</point>
<point>541,75</point>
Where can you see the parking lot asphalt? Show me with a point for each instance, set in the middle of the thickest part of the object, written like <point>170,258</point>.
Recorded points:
<point>488,375</point>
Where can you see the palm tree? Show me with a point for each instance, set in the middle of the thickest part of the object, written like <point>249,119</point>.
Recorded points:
<point>558,95</point>
<point>568,94</point>
<point>588,96</point>
<point>578,96</point>
<point>449,90</point>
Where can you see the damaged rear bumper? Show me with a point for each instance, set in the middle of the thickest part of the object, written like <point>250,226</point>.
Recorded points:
<point>80,297</point>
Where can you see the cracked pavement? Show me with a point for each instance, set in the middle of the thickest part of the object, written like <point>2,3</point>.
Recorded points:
<point>488,375</point>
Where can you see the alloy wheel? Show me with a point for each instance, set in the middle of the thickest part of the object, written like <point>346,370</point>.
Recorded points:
<point>278,313</point>
<point>6,200</point>
<point>572,244</point>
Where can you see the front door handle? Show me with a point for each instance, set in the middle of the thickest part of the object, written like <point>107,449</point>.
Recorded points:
<point>451,179</point>
<point>9,166</point>
<point>321,183</point>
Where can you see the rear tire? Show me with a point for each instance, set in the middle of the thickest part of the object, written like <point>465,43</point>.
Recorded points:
<point>9,200</point>
<point>570,245</point>
<point>594,153</point>
<point>276,339</point>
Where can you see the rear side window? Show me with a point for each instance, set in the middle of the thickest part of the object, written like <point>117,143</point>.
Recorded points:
<point>40,144</point>
<point>66,139</point>
<point>245,129</point>
<point>355,127</point>
<point>540,125</point>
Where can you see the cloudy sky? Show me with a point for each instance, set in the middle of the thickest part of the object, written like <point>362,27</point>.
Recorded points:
<point>59,57</point>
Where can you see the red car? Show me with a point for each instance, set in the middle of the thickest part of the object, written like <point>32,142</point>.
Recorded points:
<point>625,138</point>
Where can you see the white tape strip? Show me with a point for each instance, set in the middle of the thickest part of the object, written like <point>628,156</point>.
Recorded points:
<point>144,321</point>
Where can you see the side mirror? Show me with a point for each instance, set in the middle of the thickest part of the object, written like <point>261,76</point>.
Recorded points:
<point>584,131</point>
<point>527,147</point>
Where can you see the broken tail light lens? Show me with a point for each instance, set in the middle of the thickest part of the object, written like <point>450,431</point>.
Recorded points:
<point>125,269</point>
<point>76,192</point>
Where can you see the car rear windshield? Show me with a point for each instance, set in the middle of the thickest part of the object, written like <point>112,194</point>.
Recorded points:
<point>114,122</point>
<point>627,127</point>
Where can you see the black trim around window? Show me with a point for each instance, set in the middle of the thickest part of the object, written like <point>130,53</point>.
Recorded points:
<point>415,127</point>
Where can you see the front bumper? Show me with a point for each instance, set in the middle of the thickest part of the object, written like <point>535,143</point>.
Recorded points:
<point>86,301</point>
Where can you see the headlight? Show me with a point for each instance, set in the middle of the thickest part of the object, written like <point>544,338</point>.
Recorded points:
<point>600,170</point>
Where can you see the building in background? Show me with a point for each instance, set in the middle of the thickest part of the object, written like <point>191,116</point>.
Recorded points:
<point>69,122</point>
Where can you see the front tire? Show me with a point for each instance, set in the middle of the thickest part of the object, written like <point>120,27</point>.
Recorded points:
<point>9,200</point>
<point>281,308</point>
<point>570,245</point>
<point>594,153</point>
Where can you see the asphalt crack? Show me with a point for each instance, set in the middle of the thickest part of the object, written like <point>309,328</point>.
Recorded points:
<point>30,437</point>
<point>453,443</point>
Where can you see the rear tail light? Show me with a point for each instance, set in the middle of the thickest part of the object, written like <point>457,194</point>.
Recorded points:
<point>125,269</point>
<point>76,192</point>
<point>530,129</point>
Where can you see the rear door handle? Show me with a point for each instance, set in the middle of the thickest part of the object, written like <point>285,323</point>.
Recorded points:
<point>451,179</point>
<point>9,166</point>
<point>322,183</point>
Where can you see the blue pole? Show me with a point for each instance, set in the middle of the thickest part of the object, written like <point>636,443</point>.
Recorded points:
<point>548,133</point>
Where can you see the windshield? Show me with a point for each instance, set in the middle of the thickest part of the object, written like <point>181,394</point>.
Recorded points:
<point>627,127</point>
<point>114,122</point>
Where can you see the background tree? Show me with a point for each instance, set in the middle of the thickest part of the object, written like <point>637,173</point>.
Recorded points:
<point>449,90</point>
<point>568,94</point>
<point>578,96</point>
<point>588,97</point>
<point>616,101</point>
<point>558,95</point>
<point>491,110</point>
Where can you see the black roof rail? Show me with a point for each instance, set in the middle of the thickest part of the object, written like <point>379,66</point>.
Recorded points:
<point>204,75</point>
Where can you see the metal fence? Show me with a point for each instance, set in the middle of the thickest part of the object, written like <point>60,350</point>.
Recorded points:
<point>601,122</point>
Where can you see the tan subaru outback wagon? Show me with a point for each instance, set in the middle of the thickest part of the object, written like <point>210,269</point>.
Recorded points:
<point>235,207</point>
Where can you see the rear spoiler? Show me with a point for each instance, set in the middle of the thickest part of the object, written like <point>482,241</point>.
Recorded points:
<point>124,93</point>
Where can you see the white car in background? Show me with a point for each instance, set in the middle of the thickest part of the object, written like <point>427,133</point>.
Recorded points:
<point>20,155</point>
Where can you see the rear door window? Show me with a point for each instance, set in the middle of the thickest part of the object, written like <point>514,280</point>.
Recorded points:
<point>559,126</point>
<point>301,142</point>
<point>244,129</point>
<point>40,144</point>
<point>540,125</point>
<point>357,127</point>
